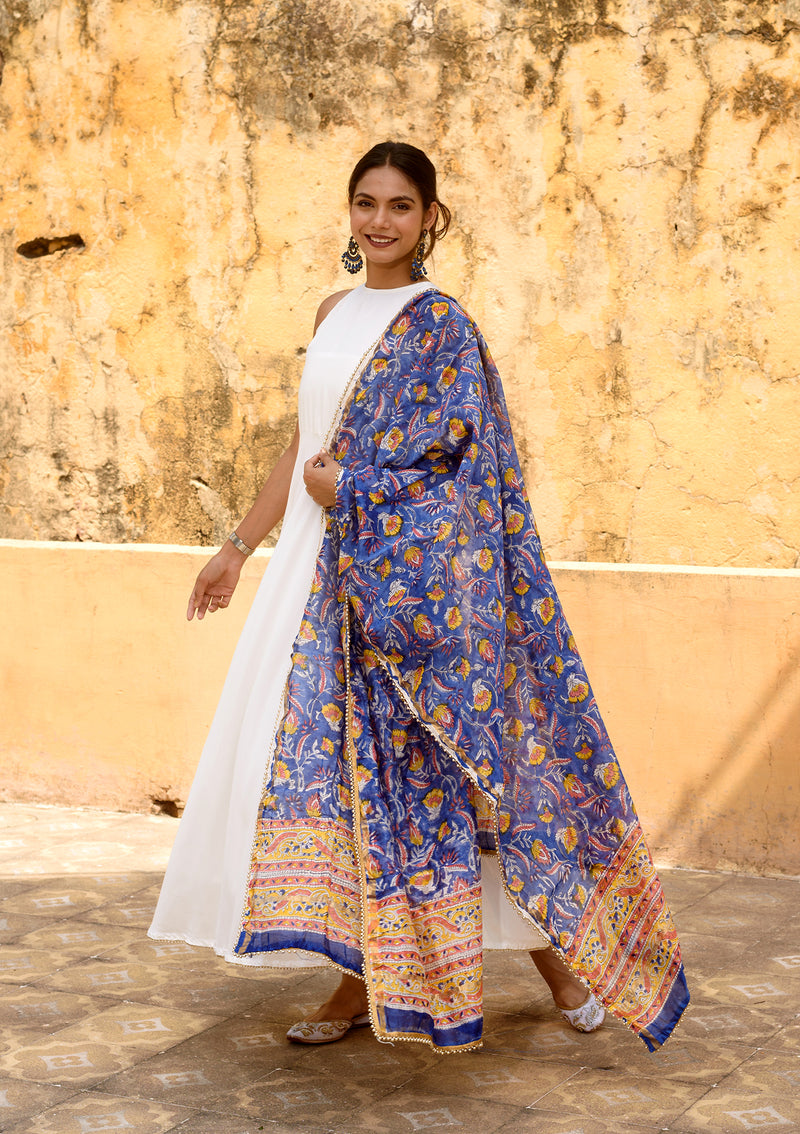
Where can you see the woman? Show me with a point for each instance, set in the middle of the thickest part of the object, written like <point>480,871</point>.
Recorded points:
<point>407,693</point>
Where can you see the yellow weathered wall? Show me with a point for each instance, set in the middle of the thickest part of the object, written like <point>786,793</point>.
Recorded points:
<point>625,184</point>
<point>109,692</point>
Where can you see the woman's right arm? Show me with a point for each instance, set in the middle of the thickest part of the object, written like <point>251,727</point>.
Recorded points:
<point>217,581</point>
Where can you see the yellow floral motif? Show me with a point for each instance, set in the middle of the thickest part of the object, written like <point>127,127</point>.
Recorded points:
<point>332,714</point>
<point>270,802</point>
<point>578,689</point>
<point>377,438</point>
<point>511,478</point>
<point>584,752</point>
<point>453,617</point>
<point>521,587</point>
<point>396,592</point>
<point>436,593</point>
<point>472,451</point>
<point>290,722</point>
<point>327,745</point>
<point>424,627</point>
<point>486,768</point>
<point>414,834</point>
<point>457,428</point>
<point>573,785</point>
<point>416,678</point>
<point>433,800</point>
<point>464,668</point>
<point>515,522</point>
<point>515,728</point>
<point>373,869</point>
<point>546,608</point>
<point>569,837</point>
<point>509,674</point>
<point>486,650</point>
<point>313,807</point>
<point>449,375</point>
<point>515,885</point>
<point>514,623</point>
<point>538,710</point>
<point>415,490</point>
<point>445,527</point>
<point>417,760</point>
<point>402,325</point>
<point>379,364</point>
<point>344,797</point>
<point>546,815</point>
<point>413,556</point>
<point>539,906</point>
<point>439,309</point>
<point>420,392</point>
<point>444,831</point>
<point>579,895</point>
<point>485,559</point>
<point>443,715</point>
<point>481,697</point>
<point>345,562</point>
<point>393,438</point>
<point>608,774</point>
<point>618,827</point>
<point>399,737</point>
<point>485,510</point>
<point>385,569</point>
<point>281,770</point>
<point>363,775</point>
<point>571,643</point>
<point>536,754</point>
<point>392,524</point>
<point>539,852</point>
<point>557,666</point>
<point>422,879</point>
<point>376,496</point>
<point>503,822</point>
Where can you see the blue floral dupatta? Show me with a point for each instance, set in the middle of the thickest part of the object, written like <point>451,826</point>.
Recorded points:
<point>437,703</point>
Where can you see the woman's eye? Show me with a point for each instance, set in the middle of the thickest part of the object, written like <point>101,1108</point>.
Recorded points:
<point>402,206</point>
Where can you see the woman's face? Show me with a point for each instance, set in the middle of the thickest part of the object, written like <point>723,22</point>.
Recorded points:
<point>387,217</point>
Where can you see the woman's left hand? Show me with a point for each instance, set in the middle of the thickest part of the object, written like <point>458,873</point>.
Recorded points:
<point>320,473</point>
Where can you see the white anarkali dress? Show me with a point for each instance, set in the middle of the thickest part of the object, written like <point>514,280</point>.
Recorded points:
<point>203,895</point>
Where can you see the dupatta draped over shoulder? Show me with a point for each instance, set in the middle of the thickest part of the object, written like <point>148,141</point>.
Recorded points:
<point>436,704</point>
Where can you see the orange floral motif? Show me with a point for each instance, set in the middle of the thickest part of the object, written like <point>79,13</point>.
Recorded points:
<point>313,806</point>
<point>577,688</point>
<point>363,775</point>
<point>539,905</point>
<point>345,561</point>
<point>402,325</point>
<point>515,522</point>
<point>376,496</point>
<point>413,556</point>
<point>392,524</point>
<point>290,722</point>
<point>538,710</point>
<point>515,885</point>
<point>539,852</point>
<point>440,309</point>
<point>344,797</point>
<point>444,831</point>
<point>379,364</point>
<point>585,752</point>
<point>416,490</point>
<point>327,745</point>
<point>417,760</point>
<point>436,593</point>
<point>464,668</point>
<point>445,527</point>
<point>511,478</point>
<point>546,815</point>
<point>280,771</point>
<point>485,510</point>
<point>422,880</point>
<point>557,666</point>
<point>385,569</point>
<point>420,392</point>
<point>393,438</point>
<point>521,587</point>
<point>485,559</point>
<point>509,674</point>
<point>608,774</point>
<point>503,822</point>
<point>457,428</point>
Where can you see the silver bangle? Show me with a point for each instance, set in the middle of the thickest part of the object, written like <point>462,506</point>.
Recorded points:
<point>239,544</point>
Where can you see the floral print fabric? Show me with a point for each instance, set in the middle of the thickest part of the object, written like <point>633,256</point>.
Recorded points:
<point>437,700</point>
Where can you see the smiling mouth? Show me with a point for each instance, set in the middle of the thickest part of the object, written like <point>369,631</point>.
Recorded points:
<point>381,241</point>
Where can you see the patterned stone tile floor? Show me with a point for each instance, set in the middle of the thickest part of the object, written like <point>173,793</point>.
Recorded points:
<point>103,1029</point>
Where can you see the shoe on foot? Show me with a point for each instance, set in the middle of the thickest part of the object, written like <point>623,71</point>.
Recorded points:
<point>324,1031</point>
<point>588,1017</point>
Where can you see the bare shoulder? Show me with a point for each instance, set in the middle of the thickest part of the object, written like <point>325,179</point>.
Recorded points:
<point>328,305</point>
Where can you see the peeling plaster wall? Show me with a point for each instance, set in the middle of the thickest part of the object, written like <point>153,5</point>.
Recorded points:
<point>624,178</point>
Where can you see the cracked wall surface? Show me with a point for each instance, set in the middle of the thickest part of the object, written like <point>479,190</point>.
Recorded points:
<point>624,177</point>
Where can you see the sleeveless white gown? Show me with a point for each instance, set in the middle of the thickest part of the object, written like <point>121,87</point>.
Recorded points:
<point>203,894</point>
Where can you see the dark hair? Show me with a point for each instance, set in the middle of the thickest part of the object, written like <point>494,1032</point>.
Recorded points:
<point>417,167</point>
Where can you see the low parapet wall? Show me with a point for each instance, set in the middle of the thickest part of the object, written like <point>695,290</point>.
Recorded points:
<point>108,692</point>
